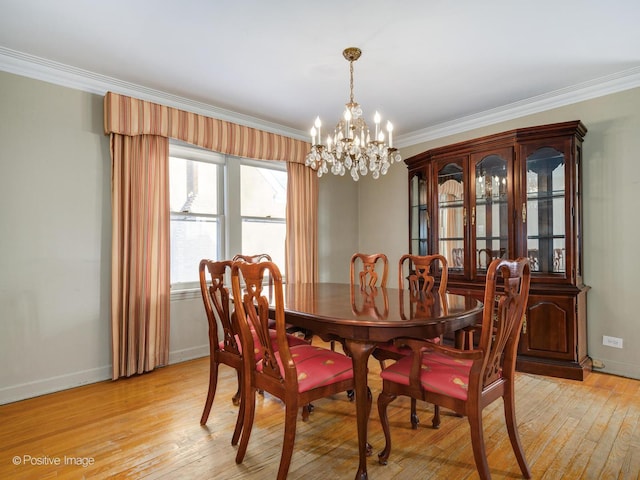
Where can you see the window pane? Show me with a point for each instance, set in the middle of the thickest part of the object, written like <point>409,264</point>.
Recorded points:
<point>194,186</point>
<point>192,239</point>
<point>263,192</point>
<point>264,237</point>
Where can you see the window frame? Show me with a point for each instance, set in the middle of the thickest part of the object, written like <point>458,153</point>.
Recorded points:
<point>229,202</point>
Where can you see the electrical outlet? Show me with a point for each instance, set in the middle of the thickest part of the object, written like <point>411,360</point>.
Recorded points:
<point>612,341</point>
<point>597,363</point>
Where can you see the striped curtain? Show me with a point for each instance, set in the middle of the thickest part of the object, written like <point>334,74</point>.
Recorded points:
<point>301,250</point>
<point>139,133</point>
<point>140,263</point>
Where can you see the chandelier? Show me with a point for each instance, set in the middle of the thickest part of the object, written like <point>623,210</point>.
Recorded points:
<point>352,147</point>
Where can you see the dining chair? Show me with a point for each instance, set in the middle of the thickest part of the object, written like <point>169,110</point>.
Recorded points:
<point>295,374</point>
<point>224,342</point>
<point>224,347</point>
<point>466,381</point>
<point>265,257</point>
<point>417,274</point>
<point>367,275</point>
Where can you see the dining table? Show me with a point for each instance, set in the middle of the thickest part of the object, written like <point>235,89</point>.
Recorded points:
<point>364,317</point>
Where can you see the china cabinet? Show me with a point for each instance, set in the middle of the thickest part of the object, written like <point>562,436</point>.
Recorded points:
<point>512,194</point>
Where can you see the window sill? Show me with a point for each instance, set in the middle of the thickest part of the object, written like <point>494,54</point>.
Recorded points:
<point>185,294</point>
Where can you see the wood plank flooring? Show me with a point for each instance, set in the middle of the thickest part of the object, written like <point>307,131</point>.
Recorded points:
<point>147,427</point>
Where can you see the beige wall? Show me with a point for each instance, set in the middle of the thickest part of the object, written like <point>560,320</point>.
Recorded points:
<point>55,240</point>
<point>337,227</point>
<point>55,244</point>
<point>55,221</point>
<point>611,191</point>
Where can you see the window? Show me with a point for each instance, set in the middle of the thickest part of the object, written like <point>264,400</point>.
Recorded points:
<point>196,204</point>
<point>221,206</point>
<point>263,203</point>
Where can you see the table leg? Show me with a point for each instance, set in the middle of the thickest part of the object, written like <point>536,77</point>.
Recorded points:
<point>360,352</point>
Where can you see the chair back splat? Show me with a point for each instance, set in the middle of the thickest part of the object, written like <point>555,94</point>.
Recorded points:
<point>419,273</point>
<point>466,381</point>
<point>368,276</point>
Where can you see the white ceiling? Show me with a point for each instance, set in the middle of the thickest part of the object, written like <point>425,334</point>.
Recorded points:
<point>425,64</point>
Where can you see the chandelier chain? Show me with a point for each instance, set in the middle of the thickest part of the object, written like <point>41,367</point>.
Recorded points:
<point>351,81</point>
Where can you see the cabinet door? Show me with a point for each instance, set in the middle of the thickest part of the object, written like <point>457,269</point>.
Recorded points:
<point>549,328</point>
<point>419,219</point>
<point>491,205</point>
<point>546,211</point>
<point>451,214</point>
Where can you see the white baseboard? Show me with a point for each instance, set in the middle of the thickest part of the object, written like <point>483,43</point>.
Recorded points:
<point>14,393</point>
<point>188,354</point>
<point>620,369</point>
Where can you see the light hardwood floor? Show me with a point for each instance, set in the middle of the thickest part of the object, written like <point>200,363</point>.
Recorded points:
<point>148,427</point>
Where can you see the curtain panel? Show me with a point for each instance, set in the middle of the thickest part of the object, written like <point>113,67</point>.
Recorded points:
<point>139,133</point>
<point>140,260</point>
<point>301,248</point>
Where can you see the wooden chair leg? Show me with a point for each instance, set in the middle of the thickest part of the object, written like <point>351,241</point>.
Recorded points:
<point>477,442</point>
<point>306,411</point>
<point>384,399</point>
<point>237,431</point>
<point>249,401</point>
<point>211,393</point>
<point>291,414</point>
<point>236,397</point>
<point>414,414</point>
<point>435,421</point>
<point>514,437</point>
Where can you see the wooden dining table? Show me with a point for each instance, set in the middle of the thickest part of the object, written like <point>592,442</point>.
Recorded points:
<point>364,318</point>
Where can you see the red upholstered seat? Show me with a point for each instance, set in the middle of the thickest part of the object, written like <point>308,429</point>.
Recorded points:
<point>317,366</point>
<point>439,373</point>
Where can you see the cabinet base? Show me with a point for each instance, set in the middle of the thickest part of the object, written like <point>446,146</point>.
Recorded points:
<point>551,368</point>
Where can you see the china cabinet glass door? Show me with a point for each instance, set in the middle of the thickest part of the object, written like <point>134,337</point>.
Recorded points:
<point>544,211</point>
<point>490,208</point>
<point>419,226</point>
<point>452,215</point>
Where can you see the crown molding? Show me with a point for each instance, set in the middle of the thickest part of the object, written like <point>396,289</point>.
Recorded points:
<point>598,87</point>
<point>39,68</point>
<point>57,73</point>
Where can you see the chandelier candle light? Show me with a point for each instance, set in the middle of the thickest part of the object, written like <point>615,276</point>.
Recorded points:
<point>351,147</point>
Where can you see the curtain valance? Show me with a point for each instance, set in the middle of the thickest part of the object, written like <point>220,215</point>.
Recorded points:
<point>130,116</point>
